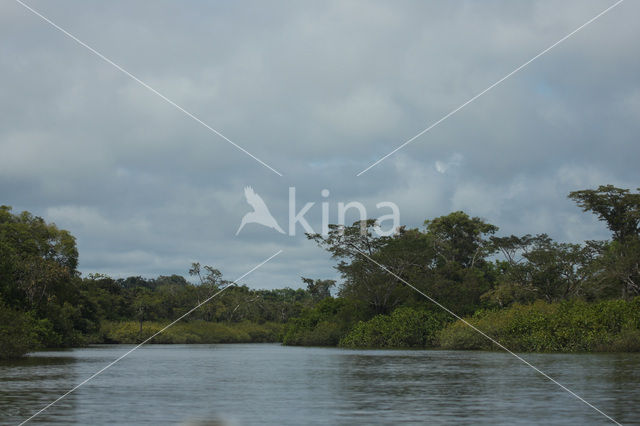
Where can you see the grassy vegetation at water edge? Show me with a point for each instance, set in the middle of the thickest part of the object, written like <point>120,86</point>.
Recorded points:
<point>189,332</point>
<point>572,326</point>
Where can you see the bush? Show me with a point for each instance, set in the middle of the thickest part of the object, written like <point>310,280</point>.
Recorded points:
<point>322,325</point>
<point>576,326</point>
<point>17,333</point>
<point>626,341</point>
<point>404,328</point>
<point>189,332</point>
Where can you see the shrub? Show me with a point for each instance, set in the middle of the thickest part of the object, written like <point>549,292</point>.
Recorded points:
<point>575,326</point>
<point>322,325</point>
<point>404,328</point>
<point>17,333</point>
<point>198,331</point>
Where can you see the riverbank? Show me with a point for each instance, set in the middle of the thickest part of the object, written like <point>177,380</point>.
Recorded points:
<point>188,332</point>
<point>608,326</point>
<point>570,326</point>
<point>21,333</point>
<point>565,327</point>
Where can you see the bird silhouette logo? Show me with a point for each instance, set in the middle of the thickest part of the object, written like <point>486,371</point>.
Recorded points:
<point>260,213</point>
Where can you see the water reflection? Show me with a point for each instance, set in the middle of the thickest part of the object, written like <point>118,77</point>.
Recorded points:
<point>482,387</point>
<point>28,384</point>
<point>257,384</point>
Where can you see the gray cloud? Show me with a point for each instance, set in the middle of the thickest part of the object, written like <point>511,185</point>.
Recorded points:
<point>319,91</point>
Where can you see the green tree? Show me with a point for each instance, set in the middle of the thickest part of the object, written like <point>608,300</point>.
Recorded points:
<point>319,289</point>
<point>38,259</point>
<point>618,207</point>
<point>355,247</point>
<point>38,278</point>
<point>539,268</point>
<point>447,262</point>
<point>459,238</point>
<point>616,271</point>
<point>618,266</point>
<point>17,333</point>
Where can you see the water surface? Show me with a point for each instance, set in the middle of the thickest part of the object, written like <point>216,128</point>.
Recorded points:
<point>265,383</point>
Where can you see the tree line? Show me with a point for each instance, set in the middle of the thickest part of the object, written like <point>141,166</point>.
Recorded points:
<point>460,262</point>
<point>46,303</point>
<point>457,260</point>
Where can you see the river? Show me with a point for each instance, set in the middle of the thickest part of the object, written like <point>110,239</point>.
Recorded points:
<point>271,384</point>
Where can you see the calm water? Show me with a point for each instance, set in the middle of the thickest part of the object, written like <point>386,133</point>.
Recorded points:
<point>257,384</point>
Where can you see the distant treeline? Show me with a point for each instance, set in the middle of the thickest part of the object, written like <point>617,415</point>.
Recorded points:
<point>531,292</point>
<point>45,303</point>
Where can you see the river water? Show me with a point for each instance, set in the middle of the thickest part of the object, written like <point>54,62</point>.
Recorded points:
<point>272,384</point>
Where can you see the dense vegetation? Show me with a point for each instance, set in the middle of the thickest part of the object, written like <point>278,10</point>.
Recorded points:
<point>570,326</point>
<point>197,331</point>
<point>403,328</point>
<point>45,303</point>
<point>459,262</point>
<point>529,292</point>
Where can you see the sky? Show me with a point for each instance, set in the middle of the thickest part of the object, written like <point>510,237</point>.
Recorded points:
<point>318,91</point>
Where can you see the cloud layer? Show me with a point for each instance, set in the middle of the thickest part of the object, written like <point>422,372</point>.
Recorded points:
<point>318,91</point>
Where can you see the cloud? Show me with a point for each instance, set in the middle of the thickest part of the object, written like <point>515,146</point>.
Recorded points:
<point>318,91</point>
<point>444,166</point>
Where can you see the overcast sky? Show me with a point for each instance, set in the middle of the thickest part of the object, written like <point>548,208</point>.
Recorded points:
<point>319,91</point>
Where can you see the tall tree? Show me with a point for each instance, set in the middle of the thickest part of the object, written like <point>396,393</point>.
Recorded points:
<point>355,247</point>
<point>319,289</point>
<point>460,238</point>
<point>540,268</point>
<point>618,207</point>
<point>619,262</point>
<point>38,259</point>
<point>447,261</point>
